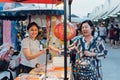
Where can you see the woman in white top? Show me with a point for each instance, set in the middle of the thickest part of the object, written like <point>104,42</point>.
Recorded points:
<point>31,54</point>
<point>102,32</point>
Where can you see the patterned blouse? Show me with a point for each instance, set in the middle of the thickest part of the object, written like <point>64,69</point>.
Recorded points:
<point>98,47</point>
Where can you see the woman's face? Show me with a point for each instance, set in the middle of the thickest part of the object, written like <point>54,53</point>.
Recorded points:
<point>86,29</point>
<point>33,32</point>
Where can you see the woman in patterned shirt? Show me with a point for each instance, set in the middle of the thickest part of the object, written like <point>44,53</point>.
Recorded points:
<point>86,46</point>
<point>87,37</point>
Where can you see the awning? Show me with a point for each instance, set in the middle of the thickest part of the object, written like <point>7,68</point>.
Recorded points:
<point>34,1</point>
<point>21,13</point>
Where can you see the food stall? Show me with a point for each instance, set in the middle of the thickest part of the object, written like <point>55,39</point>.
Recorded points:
<point>55,71</point>
<point>53,68</point>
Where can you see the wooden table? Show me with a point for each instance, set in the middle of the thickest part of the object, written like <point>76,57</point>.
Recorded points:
<point>57,72</point>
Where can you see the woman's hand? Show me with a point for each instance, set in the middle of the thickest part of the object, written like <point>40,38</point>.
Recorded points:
<point>44,50</point>
<point>88,53</point>
<point>52,48</point>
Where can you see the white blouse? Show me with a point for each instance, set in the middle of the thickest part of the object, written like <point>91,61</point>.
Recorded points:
<point>34,47</point>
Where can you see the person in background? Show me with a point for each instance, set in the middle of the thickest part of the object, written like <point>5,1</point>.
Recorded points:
<point>111,35</point>
<point>6,56</point>
<point>103,31</point>
<point>116,35</point>
<point>30,53</point>
<point>5,59</point>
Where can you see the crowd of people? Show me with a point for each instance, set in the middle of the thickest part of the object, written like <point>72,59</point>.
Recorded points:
<point>114,35</point>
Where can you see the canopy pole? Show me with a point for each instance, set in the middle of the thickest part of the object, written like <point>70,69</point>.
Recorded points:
<point>69,12</point>
<point>47,46</point>
<point>29,18</point>
<point>65,42</point>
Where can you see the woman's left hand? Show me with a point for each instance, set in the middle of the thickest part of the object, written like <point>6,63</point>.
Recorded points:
<point>44,50</point>
<point>88,53</point>
<point>52,48</point>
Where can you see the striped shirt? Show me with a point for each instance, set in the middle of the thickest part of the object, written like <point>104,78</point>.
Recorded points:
<point>98,48</point>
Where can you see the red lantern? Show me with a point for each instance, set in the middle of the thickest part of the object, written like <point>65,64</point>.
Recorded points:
<point>59,31</point>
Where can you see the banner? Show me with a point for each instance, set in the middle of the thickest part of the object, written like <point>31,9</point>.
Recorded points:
<point>7,26</point>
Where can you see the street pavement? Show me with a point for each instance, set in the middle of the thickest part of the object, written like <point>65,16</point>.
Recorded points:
<point>111,64</point>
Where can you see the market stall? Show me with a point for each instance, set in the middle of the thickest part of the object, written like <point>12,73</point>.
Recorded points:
<point>65,40</point>
<point>55,71</point>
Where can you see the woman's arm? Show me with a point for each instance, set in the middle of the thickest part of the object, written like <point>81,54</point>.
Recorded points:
<point>70,48</point>
<point>29,56</point>
<point>90,54</point>
<point>100,48</point>
<point>52,48</point>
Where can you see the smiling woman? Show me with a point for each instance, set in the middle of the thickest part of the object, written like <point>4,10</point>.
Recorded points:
<point>31,54</point>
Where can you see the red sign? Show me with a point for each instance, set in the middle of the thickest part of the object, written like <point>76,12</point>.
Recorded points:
<point>34,1</point>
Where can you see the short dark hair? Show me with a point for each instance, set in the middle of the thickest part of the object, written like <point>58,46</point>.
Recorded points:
<point>31,24</point>
<point>89,23</point>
